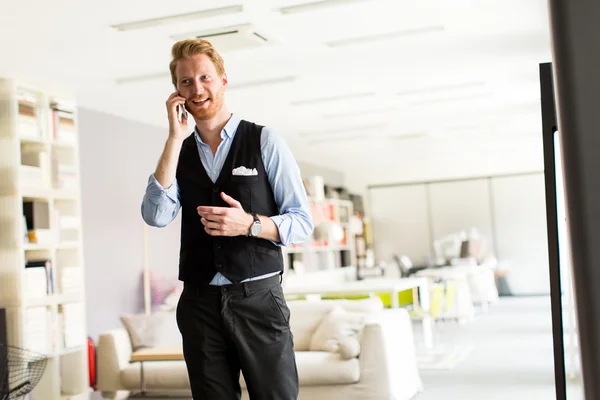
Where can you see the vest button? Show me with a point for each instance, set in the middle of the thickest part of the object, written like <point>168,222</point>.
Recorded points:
<point>218,247</point>
<point>216,190</point>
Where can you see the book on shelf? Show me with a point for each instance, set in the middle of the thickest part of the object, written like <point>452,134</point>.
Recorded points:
<point>27,96</point>
<point>27,109</point>
<point>28,124</point>
<point>37,214</point>
<point>31,177</point>
<point>71,280</point>
<point>36,283</point>
<point>39,278</point>
<point>64,175</point>
<point>63,105</point>
<point>63,121</point>
<point>38,222</point>
<point>37,322</point>
<point>73,321</point>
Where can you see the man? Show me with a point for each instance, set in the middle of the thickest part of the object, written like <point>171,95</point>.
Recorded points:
<point>242,197</point>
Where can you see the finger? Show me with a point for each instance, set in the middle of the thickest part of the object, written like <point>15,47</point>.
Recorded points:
<point>213,217</point>
<point>206,210</point>
<point>175,97</point>
<point>230,200</point>
<point>213,226</point>
<point>213,232</point>
<point>178,101</point>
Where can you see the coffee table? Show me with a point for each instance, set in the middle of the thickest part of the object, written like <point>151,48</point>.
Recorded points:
<point>156,354</point>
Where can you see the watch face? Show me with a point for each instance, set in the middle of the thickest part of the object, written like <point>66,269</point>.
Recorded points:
<point>255,230</point>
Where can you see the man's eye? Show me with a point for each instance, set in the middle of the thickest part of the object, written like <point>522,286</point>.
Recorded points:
<point>204,77</point>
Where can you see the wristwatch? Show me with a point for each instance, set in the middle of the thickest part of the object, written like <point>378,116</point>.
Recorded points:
<point>256,227</point>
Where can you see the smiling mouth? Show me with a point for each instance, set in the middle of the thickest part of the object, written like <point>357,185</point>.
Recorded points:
<point>201,101</point>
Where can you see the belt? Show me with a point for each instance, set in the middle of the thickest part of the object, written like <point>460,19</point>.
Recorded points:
<point>240,287</point>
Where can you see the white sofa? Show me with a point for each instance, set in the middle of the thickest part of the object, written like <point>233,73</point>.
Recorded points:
<point>386,367</point>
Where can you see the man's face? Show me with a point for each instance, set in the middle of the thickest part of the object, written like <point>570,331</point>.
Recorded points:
<point>200,84</point>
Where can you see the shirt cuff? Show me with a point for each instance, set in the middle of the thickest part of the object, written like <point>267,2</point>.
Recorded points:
<point>283,225</point>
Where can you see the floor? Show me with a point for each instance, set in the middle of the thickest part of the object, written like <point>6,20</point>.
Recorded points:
<point>511,356</point>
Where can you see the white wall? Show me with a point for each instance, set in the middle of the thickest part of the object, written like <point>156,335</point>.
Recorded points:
<point>509,211</point>
<point>459,205</point>
<point>521,235</point>
<point>117,156</point>
<point>443,159</point>
<point>400,219</point>
<point>330,176</point>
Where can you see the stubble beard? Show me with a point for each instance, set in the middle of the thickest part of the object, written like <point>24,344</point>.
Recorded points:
<point>212,111</point>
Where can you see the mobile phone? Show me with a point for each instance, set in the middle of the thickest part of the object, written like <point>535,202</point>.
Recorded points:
<point>181,112</point>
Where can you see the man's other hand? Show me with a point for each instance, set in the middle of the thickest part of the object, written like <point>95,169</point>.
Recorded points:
<point>225,221</point>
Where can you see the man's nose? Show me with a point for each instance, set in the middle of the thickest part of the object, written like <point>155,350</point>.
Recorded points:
<point>198,88</point>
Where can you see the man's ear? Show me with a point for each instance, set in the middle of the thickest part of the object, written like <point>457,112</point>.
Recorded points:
<point>224,80</point>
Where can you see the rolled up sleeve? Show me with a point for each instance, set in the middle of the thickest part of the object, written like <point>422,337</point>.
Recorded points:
<point>294,220</point>
<point>160,206</point>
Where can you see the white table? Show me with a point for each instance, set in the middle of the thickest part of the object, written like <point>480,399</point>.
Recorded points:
<point>479,279</point>
<point>371,287</point>
<point>155,354</point>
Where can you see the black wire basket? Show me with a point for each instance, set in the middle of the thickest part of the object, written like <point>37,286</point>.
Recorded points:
<point>20,371</point>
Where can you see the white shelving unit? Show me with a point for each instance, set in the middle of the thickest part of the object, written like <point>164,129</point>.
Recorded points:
<point>39,165</point>
<point>322,252</point>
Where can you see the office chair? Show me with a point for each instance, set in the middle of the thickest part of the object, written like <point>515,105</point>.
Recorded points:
<point>405,266</point>
<point>20,371</point>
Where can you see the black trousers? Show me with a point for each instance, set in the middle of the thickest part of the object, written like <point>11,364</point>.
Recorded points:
<point>243,326</point>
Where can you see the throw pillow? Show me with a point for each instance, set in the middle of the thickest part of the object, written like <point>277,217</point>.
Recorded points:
<point>161,287</point>
<point>336,331</point>
<point>349,348</point>
<point>154,330</point>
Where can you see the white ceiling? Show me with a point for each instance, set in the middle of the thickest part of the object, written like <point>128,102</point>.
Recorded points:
<point>454,77</point>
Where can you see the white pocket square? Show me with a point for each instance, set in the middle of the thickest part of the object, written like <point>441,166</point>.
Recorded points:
<point>243,171</point>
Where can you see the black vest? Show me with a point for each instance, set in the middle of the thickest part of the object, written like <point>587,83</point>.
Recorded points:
<point>237,258</point>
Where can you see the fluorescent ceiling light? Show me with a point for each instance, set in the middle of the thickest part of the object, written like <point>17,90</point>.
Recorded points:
<point>332,98</point>
<point>361,112</point>
<point>343,130</point>
<point>384,36</point>
<point>316,6</point>
<point>179,18</point>
<point>458,86</point>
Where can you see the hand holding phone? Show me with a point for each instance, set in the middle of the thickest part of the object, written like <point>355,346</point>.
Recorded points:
<point>178,116</point>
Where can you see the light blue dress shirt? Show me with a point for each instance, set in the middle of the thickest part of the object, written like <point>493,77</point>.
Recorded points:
<point>160,206</point>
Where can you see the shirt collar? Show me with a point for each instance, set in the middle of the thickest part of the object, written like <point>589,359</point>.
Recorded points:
<point>228,130</point>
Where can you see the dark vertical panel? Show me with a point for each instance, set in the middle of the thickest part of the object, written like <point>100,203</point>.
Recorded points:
<point>3,355</point>
<point>576,46</point>
<point>548,129</point>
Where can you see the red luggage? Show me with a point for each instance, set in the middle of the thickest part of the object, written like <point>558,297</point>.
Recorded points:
<point>92,362</point>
